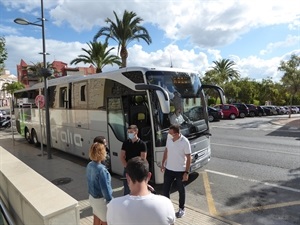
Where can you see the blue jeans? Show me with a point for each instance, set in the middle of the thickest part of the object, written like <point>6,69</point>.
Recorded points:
<point>125,184</point>
<point>169,177</point>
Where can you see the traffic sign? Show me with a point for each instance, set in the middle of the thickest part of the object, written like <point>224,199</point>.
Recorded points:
<point>40,101</point>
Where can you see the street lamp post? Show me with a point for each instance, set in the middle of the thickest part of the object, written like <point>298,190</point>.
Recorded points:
<point>45,73</point>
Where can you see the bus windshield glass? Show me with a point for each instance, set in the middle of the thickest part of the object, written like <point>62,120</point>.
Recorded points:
<point>187,103</point>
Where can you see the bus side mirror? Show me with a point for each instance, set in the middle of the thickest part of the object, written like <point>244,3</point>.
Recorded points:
<point>164,104</point>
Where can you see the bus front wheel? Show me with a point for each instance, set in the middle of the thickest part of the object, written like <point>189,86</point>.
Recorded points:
<point>28,136</point>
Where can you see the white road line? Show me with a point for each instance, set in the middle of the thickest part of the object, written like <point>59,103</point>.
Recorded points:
<point>259,149</point>
<point>254,181</point>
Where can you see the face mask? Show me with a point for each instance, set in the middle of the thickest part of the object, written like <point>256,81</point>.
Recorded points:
<point>170,136</point>
<point>131,135</point>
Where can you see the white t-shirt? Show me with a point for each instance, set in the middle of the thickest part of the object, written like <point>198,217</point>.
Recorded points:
<point>176,120</point>
<point>176,160</point>
<point>140,210</point>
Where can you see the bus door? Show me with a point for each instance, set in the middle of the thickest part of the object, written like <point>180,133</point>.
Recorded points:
<point>117,132</point>
<point>139,115</point>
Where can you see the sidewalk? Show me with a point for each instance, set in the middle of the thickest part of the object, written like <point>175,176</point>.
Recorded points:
<point>68,173</point>
<point>294,121</point>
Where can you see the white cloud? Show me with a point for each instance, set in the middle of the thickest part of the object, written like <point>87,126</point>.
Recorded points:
<point>289,41</point>
<point>203,26</point>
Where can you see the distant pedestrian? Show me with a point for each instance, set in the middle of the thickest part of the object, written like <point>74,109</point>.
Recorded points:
<point>176,165</point>
<point>140,207</point>
<point>132,147</point>
<point>102,140</point>
<point>99,183</point>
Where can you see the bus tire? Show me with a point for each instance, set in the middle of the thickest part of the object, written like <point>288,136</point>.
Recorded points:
<point>28,136</point>
<point>34,138</point>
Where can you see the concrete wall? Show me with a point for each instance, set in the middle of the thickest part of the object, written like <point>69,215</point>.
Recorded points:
<point>32,199</point>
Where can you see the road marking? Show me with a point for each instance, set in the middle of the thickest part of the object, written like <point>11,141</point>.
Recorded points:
<point>117,189</point>
<point>209,198</point>
<point>258,149</point>
<point>211,204</point>
<point>259,208</point>
<point>255,181</point>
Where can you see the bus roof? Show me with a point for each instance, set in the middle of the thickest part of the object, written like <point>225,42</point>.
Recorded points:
<point>113,75</point>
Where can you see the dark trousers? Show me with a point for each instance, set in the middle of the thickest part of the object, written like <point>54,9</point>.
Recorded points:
<point>125,184</point>
<point>169,177</point>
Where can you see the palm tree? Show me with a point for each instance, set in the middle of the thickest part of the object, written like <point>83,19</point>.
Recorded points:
<point>12,87</point>
<point>34,71</point>
<point>98,56</point>
<point>124,31</point>
<point>224,69</point>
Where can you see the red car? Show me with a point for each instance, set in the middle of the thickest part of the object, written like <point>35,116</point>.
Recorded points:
<point>229,111</point>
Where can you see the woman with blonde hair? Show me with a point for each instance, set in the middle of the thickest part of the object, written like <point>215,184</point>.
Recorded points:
<point>99,183</point>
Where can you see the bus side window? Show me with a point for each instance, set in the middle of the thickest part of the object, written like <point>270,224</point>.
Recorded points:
<point>63,100</point>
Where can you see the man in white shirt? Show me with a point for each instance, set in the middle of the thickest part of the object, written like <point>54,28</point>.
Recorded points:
<point>176,164</point>
<point>140,207</point>
<point>177,118</point>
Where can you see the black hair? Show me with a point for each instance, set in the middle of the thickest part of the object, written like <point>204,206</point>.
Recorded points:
<point>175,128</point>
<point>137,169</point>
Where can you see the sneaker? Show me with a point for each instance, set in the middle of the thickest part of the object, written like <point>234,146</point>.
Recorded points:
<point>180,213</point>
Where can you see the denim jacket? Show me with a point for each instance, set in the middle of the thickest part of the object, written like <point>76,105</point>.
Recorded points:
<point>99,181</point>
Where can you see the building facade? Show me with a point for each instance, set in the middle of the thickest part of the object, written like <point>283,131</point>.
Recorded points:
<point>59,69</point>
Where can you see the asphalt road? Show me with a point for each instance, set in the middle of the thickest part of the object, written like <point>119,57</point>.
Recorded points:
<point>254,174</point>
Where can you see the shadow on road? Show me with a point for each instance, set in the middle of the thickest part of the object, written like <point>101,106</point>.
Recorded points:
<point>290,129</point>
<point>276,204</point>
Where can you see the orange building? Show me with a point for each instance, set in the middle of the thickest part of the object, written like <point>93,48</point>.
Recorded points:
<point>60,69</point>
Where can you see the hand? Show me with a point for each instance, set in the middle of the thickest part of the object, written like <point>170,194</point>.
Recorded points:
<point>185,177</point>
<point>162,169</point>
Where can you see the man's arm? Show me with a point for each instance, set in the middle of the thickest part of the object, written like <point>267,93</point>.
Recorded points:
<point>187,167</point>
<point>162,168</point>
<point>123,157</point>
<point>144,155</point>
<point>188,162</point>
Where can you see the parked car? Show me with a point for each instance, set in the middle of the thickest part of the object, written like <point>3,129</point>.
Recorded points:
<point>229,111</point>
<point>281,110</point>
<point>272,108</point>
<point>253,111</point>
<point>261,111</point>
<point>266,110</point>
<point>295,109</point>
<point>243,109</point>
<point>214,114</point>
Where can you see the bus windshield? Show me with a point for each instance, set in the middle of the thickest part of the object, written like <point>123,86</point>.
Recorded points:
<point>187,103</point>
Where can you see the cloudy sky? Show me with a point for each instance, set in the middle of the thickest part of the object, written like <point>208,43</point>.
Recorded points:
<point>191,34</point>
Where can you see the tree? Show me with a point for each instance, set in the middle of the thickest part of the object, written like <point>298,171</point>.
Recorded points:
<point>3,54</point>
<point>291,76</point>
<point>225,71</point>
<point>98,56</point>
<point>12,87</point>
<point>124,31</point>
<point>35,71</point>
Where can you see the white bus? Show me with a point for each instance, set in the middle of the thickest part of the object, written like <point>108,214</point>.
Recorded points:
<point>83,107</point>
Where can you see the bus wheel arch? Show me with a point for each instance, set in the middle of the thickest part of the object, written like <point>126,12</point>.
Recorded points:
<point>34,137</point>
<point>28,135</point>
